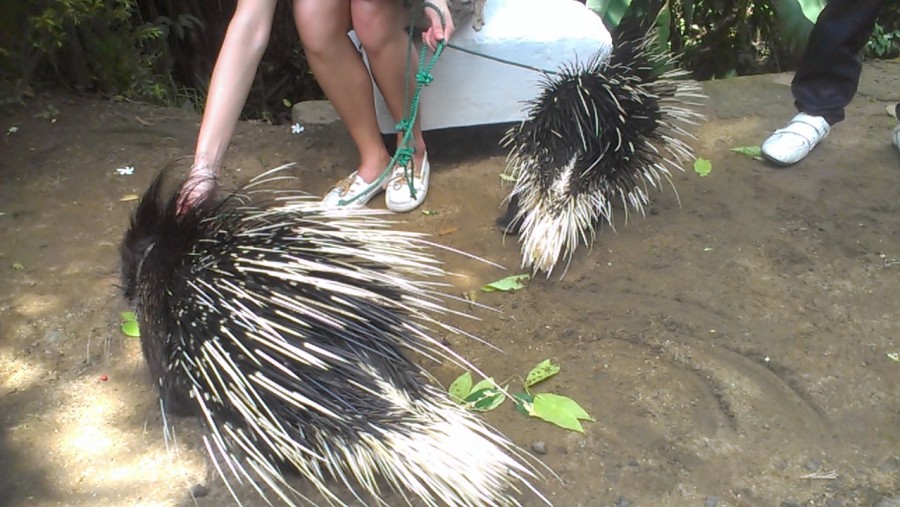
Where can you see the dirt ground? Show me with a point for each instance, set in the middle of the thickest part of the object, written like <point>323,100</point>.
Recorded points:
<point>735,348</point>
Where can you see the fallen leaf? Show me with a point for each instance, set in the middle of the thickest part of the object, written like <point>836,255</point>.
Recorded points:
<point>702,167</point>
<point>524,403</point>
<point>507,177</point>
<point>544,370</point>
<point>430,212</point>
<point>131,329</point>
<point>560,410</point>
<point>485,399</point>
<point>143,121</point>
<point>461,387</point>
<point>754,152</point>
<point>508,284</point>
<point>447,230</point>
<point>130,325</point>
<point>129,197</point>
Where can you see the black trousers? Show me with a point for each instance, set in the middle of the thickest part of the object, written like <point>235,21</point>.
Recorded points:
<point>828,76</point>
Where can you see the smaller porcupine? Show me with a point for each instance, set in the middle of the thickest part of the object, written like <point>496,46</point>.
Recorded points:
<point>600,132</point>
<point>286,327</point>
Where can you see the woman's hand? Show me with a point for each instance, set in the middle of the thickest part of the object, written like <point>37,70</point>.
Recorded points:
<point>436,32</point>
<point>200,185</point>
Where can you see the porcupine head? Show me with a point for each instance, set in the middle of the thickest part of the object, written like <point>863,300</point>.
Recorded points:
<point>155,246</point>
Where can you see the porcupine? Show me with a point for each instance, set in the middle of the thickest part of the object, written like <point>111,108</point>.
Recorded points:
<point>601,131</point>
<point>287,327</point>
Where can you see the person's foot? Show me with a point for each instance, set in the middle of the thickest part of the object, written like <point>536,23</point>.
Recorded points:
<point>792,143</point>
<point>351,192</point>
<point>400,198</point>
<point>509,223</point>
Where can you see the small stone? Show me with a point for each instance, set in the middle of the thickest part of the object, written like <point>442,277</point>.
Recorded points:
<point>813,465</point>
<point>623,502</point>
<point>539,447</point>
<point>314,112</point>
<point>711,501</point>
<point>199,491</point>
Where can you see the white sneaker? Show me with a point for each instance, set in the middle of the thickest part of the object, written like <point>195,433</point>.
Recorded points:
<point>399,198</point>
<point>351,192</point>
<point>792,143</point>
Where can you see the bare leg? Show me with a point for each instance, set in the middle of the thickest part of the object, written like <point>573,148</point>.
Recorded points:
<point>340,71</point>
<point>245,42</point>
<point>380,24</point>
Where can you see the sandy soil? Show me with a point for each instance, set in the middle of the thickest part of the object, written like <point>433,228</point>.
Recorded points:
<point>733,348</point>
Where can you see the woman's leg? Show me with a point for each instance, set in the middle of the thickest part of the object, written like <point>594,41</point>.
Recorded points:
<point>340,71</point>
<point>380,26</point>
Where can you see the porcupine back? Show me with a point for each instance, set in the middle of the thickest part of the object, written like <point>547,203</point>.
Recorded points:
<point>601,131</point>
<point>286,327</point>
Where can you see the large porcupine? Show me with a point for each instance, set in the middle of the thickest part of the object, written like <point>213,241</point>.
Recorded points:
<point>286,327</point>
<point>599,132</point>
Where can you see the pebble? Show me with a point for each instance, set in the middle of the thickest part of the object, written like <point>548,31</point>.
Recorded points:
<point>199,490</point>
<point>889,502</point>
<point>539,447</point>
<point>711,501</point>
<point>813,465</point>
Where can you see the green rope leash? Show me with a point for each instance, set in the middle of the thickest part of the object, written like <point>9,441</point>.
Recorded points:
<point>406,147</point>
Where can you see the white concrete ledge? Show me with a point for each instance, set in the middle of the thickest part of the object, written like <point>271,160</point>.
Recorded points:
<point>471,90</point>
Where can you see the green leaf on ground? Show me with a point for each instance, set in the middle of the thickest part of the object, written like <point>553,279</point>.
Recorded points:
<point>702,167</point>
<point>560,410</point>
<point>483,384</point>
<point>754,152</point>
<point>524,403</point>
<point>508,284</point>
<point>507,177</point>
<point>544,370</point>
<point>130,325</point>
<point>894,356</point>
<point>485,398</point>
<point>461,387</point>
<point>430,212</point>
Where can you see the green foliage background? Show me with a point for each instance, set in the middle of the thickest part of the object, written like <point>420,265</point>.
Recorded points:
<point>719,38</point>
<point>159,51</point>
<point>162,51</point>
